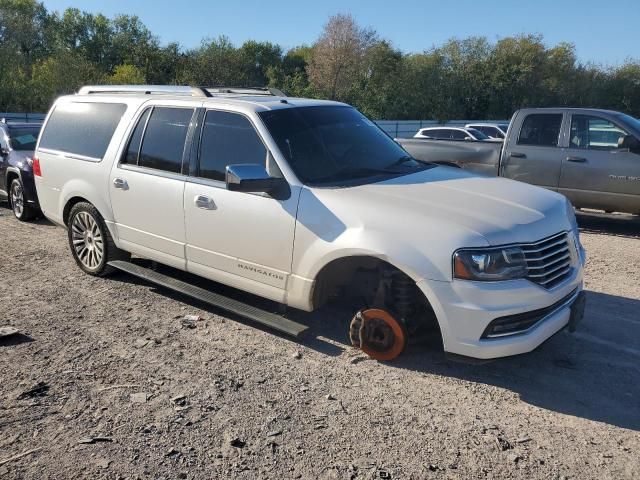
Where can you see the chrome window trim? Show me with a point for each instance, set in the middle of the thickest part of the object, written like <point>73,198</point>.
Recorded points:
<point>207,182</point>
<point>152,171</point>
<point>74,156</point>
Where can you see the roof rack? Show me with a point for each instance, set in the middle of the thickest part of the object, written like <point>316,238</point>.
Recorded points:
<point>179,90</point>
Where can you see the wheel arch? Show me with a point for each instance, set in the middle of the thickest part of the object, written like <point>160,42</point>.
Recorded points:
<point>11,174</point>
<point>78,198</point>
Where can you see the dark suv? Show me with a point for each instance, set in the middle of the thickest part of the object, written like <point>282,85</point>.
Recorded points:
<point>17,143</point>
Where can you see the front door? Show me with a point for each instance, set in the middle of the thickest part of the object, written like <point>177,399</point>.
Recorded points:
<point>241,239</point>
<point>147,186</point>
<point>595,172</point>
<point>533,155</point>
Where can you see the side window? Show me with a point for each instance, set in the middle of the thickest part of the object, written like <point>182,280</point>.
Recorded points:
<point>164,138</point>
<point>82,128</point>
<point>541,129</point>
<point>228,139</point>
<point>133,149</point>
<point>458,135</point>
<point>594,133</point>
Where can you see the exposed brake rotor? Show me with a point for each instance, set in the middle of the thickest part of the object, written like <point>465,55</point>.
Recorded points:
<point>378,334</point>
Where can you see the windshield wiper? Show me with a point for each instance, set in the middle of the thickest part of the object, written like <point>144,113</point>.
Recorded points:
<point>355,173</point>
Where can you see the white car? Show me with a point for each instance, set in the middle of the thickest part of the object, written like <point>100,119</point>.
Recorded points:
<point>300,200</point>
<point>452,133</point>
<point>492,130</point>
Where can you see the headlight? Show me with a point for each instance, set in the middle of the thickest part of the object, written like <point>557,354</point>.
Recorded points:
<point>490,264</point>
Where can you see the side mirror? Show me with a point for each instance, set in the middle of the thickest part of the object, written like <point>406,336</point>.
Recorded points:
<point>468,139</point>
<point>4,151</point>
<point>629,142</point>
<point>253,178</point>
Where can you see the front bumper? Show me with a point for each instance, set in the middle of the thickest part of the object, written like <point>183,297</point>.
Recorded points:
<point>465,310</point>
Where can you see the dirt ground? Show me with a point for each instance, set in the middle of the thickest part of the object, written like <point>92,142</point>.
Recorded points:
<point>104,381</point>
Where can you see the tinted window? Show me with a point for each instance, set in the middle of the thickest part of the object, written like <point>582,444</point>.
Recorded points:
<point>228,139</point>
<point>542,129</point>
<point>335,145</point>
<point>439,134</point>
<point>131,155</point>
<point>458,135</point>
<point>82,128</point>
<point>594,133</point>
<point>24,138</point>
<point>163,143</point>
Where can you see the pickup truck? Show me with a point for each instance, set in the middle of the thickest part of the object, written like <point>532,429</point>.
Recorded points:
<point>590,156</point>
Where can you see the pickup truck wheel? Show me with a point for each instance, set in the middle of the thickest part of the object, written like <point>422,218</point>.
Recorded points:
<point>90,241</point>
<point>21,210</point>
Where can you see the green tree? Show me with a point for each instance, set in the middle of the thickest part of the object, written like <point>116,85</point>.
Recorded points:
<point>125,75</point>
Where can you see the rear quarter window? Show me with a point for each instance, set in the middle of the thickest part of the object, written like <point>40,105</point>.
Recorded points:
<point>82,128</point>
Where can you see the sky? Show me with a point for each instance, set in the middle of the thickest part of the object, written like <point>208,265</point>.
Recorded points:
<point>603,32</point>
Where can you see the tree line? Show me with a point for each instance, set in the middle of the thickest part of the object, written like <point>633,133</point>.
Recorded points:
<point>44,54</point>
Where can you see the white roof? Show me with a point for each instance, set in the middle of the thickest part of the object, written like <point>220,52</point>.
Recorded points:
<point>260,98</point>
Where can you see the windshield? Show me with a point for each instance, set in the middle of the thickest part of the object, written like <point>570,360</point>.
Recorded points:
<point>336,146</point>
<point>24,138</point>
<point>634,123</point>
<point>504,127</point>
<point>478,134</point>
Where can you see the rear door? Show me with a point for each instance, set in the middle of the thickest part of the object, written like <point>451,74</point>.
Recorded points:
<point>147,184</point>
<point>532,153</point>
<point>595,172</point>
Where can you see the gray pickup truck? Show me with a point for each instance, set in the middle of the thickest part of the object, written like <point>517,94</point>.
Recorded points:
<point>591,156</point>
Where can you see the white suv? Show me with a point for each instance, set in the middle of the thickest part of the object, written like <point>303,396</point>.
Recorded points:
<point>299,200</point>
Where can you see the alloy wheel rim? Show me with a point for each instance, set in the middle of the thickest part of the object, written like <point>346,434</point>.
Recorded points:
<point>87,240</point>
<point>17,200</point>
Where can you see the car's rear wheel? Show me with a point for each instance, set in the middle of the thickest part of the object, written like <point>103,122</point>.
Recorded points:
<point>91,243</point>
<point>21,209</point>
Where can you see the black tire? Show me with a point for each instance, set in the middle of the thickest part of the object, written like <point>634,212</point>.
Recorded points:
<point>21,210</point>
<point>90,242</point>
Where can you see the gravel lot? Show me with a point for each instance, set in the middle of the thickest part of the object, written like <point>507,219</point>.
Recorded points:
<point>124,390</point>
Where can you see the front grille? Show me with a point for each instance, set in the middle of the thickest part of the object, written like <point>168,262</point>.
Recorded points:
<point>549,260</point>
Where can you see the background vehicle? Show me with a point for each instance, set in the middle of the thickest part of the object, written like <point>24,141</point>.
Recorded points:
<point>17,143</point>
<point>591,156</point>
<point>451,133</point>
<point>304,201</point>
<point>492,130</point>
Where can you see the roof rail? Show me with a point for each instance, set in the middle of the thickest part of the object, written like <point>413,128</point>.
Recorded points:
<point>143,89</point>
<point>179,90</point>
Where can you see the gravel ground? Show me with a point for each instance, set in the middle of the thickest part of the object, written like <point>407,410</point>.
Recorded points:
<point>105,382</point>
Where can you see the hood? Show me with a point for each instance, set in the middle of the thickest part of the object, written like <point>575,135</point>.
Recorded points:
<point>444,200</point>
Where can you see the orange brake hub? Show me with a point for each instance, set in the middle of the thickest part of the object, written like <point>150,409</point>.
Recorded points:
<point>377,334</point>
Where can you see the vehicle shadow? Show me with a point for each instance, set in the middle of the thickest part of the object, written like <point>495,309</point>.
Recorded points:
<point>609,224</point>
<point>590,374</point>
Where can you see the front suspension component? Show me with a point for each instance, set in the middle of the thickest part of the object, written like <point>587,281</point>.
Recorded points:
<point>378,334</point>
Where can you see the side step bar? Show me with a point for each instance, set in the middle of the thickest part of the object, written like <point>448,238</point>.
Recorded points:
<point>268,319</point>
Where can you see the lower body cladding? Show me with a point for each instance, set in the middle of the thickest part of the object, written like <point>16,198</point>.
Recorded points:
<point>497,319</point>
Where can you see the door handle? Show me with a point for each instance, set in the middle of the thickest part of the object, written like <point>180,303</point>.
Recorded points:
<point>120,183</point>
<point>204,202</point>
<point>576,159</point>
<point>517,155</point>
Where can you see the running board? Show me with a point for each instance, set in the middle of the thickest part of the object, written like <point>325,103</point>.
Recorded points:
<point>268,319</point>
